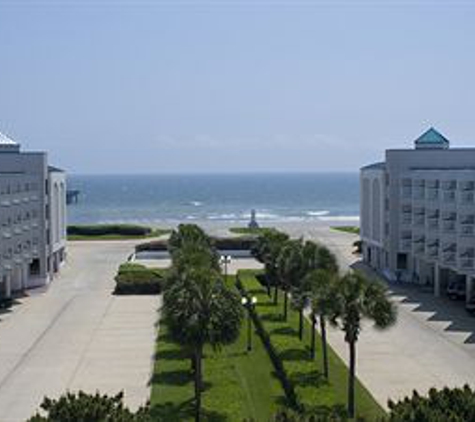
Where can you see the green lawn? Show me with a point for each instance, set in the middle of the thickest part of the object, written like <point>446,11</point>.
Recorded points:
<point>312,390</point>
<point>347,229</point>
<point>153,233</point>
<point>238,384</point>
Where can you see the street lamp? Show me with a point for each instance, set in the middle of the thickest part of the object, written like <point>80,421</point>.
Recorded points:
<point>249,304</point>
<point>225,260</point>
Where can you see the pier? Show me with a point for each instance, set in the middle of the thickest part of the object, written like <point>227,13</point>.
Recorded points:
<point>72,196</point>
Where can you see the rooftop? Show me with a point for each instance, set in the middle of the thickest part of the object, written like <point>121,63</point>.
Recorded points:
<point>7,144</point>
<point>431,138</point>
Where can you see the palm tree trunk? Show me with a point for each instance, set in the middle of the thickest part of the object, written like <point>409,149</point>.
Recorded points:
<point>323,333</point>
<point>286,300</point>
<point>198,382</point>
<point>301,323</point>
<point>351,380</point>
<point>312,341</point>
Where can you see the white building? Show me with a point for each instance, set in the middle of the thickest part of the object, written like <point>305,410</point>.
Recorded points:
<point>418,215</point>
<point>32,218</point>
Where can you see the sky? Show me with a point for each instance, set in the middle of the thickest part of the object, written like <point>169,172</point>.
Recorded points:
<point>233,86</point>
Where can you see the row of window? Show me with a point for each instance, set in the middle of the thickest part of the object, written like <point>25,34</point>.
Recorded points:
<point>14,188</point>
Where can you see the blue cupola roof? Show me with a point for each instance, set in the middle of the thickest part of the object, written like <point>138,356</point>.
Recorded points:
<point>431,139</point>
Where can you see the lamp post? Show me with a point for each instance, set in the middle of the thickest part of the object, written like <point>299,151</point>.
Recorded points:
<point>249,304</point>
<point>225,260</point>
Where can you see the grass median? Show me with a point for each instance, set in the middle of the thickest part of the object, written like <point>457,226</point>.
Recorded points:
<point>238,384</point>
<point>312,391</point>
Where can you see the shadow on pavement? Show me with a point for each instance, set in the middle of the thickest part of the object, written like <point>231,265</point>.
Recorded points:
<point>443,309</point>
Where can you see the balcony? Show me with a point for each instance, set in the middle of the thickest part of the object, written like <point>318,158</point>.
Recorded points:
<point>467,230</point>
<point>433,252</point>
<point>419,220</point>
<point>448,226</point>
<point>433,194</point>
<point>449,196</point>
<point>449,258</point>
<point>467,185</point>
<point>418,193</point>
<point>467,263</point>
<point>406,218</point>
<point>433,224</point>
<point>406,192</point>
<point>405,245</point>
<point>467,198</point>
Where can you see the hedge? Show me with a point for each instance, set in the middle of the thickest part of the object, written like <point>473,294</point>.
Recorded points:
<point>109,229</point>
<point>242,243</point>
<point>136,279</point>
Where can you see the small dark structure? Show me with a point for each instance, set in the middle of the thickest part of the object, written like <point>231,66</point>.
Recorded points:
<point>72,196</point>
<point>253,223</point>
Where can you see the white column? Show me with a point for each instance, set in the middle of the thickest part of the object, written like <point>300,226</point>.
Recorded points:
<point>24,276</point>
<point>8,285</point>
<point>436,280</point>
<point>469,287</point>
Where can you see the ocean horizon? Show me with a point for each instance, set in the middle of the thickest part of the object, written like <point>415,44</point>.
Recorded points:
<point>157,199</point>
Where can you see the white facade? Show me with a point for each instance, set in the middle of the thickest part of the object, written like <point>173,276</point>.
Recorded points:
<point>418,215</point>
<point>32,218</point>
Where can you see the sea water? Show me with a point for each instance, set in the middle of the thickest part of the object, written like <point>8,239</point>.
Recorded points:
<point>158,199</point>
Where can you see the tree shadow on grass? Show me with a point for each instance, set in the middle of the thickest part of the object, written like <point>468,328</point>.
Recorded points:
<point>180,377</point>
<point>306,379</point>
<point>185,411</point>
<point>294,354</point>
<point>284,331</point>
<point>174,354</point>
<point>272,317</point>
<point>255,291</point>
<point>173,411</point>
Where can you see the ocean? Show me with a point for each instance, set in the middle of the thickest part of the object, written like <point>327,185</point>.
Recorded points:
<point>160,199</point>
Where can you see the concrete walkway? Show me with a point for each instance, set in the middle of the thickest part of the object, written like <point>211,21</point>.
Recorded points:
<point>432,344</point>
<point>76,335</point>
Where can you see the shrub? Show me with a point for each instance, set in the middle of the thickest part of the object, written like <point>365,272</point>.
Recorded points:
<point>454,405</point>
<point>242,243</point>
<point>136,279</point>
<point>109,229</point>
<point>83,407</point>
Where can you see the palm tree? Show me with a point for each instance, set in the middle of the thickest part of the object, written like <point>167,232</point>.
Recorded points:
<point>188,234</point>
<point>200,309</point>
<point>322,284</point>
<point>267,250</point>
<point>355,298</point>
<point>291,269</point>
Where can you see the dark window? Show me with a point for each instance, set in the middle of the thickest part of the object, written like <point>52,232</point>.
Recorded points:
<point>402,261</point>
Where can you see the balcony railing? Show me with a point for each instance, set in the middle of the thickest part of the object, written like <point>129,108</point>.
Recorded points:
<point>448,226</point>
<point>432,194</point>
<point>419,220</point>
<point>449,258</point>
<point>449,196</point>
<point>467,263</point>
<point>467,230</point>
<point>467,197</point>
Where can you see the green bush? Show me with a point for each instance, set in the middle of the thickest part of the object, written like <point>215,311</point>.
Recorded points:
<point>454,405</point>
<point>242,243</point>
<point>83,407</point>
<point>136,279</point>
<point>109,229</point>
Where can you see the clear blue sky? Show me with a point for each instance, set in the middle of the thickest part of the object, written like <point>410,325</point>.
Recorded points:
<point>148,86</point>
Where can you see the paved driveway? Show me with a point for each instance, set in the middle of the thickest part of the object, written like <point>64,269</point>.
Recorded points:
<point>432,344</point>
<point>76,335</point>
